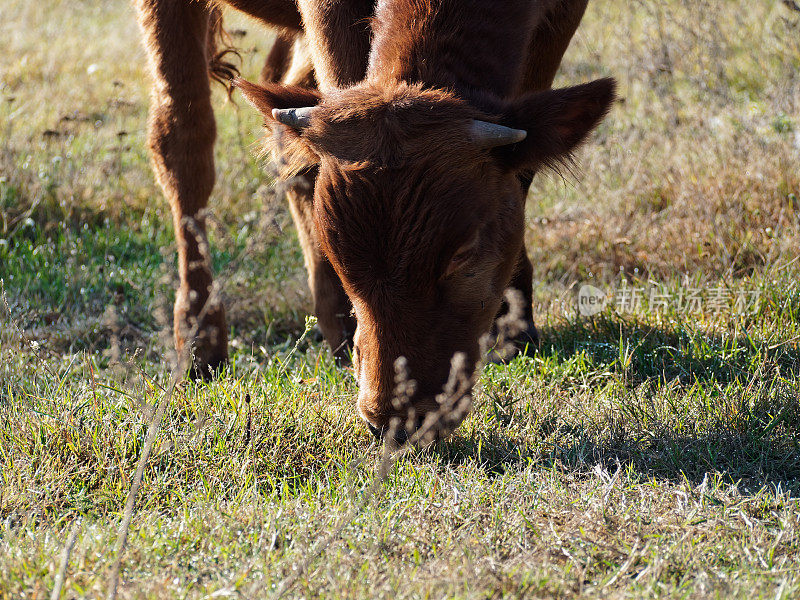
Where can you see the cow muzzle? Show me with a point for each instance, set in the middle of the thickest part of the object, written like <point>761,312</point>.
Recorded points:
<point>424,421</point>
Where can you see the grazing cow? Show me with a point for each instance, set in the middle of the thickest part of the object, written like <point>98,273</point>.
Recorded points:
<point>430,120</point>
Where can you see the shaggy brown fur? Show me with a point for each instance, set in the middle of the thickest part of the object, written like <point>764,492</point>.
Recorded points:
<point>421,228</point>
<point>186,45</point>
<point>219,49</point>
<point>338,35</point>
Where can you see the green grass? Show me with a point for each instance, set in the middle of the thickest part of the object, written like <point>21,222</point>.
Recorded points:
<point>638,454</point>
<point>574,464</point>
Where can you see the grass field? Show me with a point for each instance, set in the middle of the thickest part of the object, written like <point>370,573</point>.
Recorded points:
<point>646,451</point>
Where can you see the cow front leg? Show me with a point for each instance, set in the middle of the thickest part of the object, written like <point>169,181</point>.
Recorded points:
<point>338,35</point>
<point>181,139</point>
<point>527,340</point>
<point>332,307</point>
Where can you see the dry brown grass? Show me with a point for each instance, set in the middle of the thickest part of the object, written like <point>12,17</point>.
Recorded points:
<point>697,169</point>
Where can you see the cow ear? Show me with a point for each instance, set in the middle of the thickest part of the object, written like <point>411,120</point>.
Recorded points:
<point>267,97</point>
<point>557,122</point>
<point>294,150</point>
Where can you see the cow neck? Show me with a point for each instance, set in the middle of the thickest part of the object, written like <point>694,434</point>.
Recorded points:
<point>472,47</point>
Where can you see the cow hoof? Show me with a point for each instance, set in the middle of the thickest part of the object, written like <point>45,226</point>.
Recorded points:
<point>400,435</point>
<point>343,359</point>
<point>206,370</point>
<point>207,340</point>
<point>206,361</point>
<point>343,352</point>
<point>526,342</point>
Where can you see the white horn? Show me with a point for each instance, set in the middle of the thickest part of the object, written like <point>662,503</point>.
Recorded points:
<point>491,135</point>
<point>297,118</point>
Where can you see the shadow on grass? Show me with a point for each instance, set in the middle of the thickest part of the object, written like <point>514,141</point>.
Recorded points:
<point>766,454</point>
<point>749,460</point>
<point>664,353</point>
<point>683,404</point>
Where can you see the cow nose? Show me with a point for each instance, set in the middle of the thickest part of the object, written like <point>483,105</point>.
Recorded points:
<point>400,432</point>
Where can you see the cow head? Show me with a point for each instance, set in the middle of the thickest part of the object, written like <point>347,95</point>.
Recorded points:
<point>419,207</point>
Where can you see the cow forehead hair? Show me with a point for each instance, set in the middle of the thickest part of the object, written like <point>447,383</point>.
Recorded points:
<point>390,224</point>
<point>401,125</point>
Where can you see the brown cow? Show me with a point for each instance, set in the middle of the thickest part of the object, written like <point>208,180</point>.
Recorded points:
<point>431,119</point>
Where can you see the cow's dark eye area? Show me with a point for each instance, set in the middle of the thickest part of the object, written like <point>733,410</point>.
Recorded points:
<point>459,260</point>
<point>463,256</point>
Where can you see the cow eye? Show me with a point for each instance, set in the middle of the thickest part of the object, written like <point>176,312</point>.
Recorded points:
<point>459,259</point>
